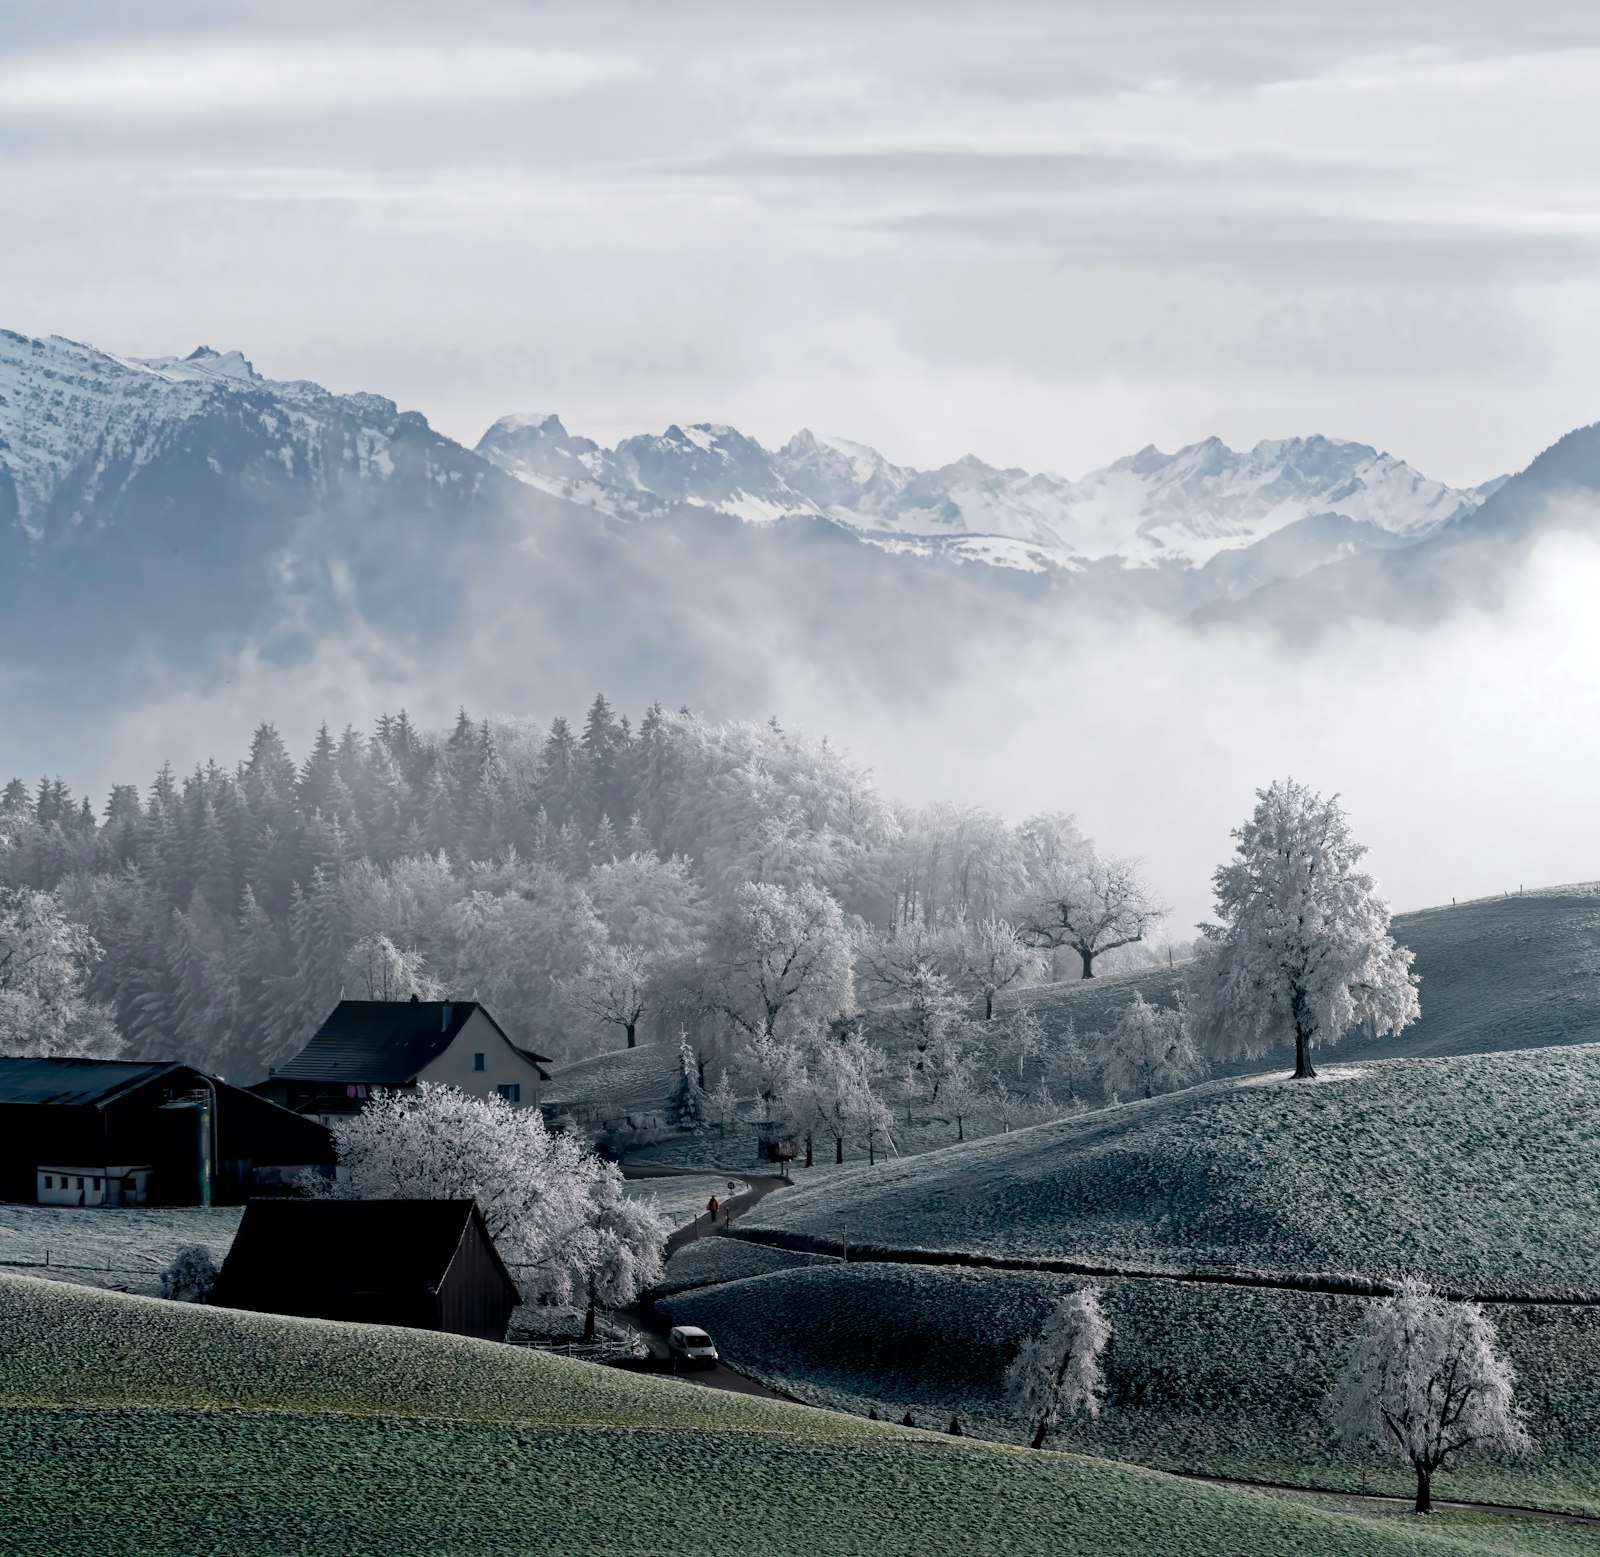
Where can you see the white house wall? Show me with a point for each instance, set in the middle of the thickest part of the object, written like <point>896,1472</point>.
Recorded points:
<point>502,1064</point>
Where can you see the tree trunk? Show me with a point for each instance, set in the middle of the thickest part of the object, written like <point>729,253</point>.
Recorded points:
<point>838,1148</point>
<point>988,1005</point>
<point>1088,962</point>
<point>1424,1491</point>
<point>808,1148</point>
<point>961,1133</point>
<point>870,1157</point>
<point>1304,1070</point>
<point>588,1318</point>
<point>1039,1432</point>
<point>633,1035</point>
<point>700,1067</point>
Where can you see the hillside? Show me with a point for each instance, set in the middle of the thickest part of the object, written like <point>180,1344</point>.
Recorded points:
<point>133,1426</point>
<point>1208,1379</point>
<point>1481,1173</point>
<point>1518,972</point>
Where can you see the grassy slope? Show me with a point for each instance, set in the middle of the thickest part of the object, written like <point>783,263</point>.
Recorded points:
<point>1217,1380</point>
<point>623,1079</point>
<point>130,1426</point>
<point>1481,1173</point>
<point>1498,973</point>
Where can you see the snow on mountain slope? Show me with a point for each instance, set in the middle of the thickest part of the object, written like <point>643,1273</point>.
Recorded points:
<point>77,425</point>
<point>1151,507</point>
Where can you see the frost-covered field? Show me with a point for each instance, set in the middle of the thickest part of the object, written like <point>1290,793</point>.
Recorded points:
<point>1211,1379</point>
<point>620,1078</point>
<point>128,1247</point>
<point>1498,973</point>
<point>705,1262</point>
<point>257,1435</point>
<point>1482,1173</point>
<point>682,1197</point>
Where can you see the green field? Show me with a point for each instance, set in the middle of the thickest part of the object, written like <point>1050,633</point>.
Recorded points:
<point>129,1426</point>
<point>1480,1173</point>
<point>1210,1379</point>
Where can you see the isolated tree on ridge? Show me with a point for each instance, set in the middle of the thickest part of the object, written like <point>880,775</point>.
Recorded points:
<point>1090,903</point>
<point>1425,1379</point>
<point>1303,949</point>
<point>1057,1372</point>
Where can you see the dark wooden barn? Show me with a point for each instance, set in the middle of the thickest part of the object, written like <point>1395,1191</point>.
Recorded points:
<point>141,1132</point>
<point>426,1264</point>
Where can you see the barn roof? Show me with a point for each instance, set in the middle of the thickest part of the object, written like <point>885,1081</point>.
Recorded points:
<point>75,1083</point>
<point>385,1042</point>
<point>285,1249</point>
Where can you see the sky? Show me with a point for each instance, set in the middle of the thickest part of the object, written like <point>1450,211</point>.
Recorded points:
<point>1045,234</point>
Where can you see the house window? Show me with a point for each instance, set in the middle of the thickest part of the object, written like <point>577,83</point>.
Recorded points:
<point>95,1185</point>
<point>80,1183</point>
<point>49,1183</point>
<point>477,1062</point>
<point>511,1091</point>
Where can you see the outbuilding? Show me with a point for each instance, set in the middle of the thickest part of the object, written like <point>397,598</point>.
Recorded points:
<point>78,1132</point>
<point>425,1264</point>
<point>367,1045</point>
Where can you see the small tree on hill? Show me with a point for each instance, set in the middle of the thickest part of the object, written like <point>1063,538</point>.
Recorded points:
<point>722,1105</point>
<point>191,1275</point>
<point>687,1106</point>
<point>1057,1372</point>
<point>1303,950</point>
<point>613,988</point>
<point>1425,1380</point>
<point>1150,1050</point>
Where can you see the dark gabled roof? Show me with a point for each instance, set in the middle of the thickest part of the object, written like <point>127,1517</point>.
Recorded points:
<point>385,1042</point>
<point>292,1256</point>
<point>76,1083</point>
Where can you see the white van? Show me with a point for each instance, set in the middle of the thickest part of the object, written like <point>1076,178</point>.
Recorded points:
<point>688,1347</point>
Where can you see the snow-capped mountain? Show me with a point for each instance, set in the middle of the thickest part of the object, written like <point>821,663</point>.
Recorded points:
<point>1150,507</point>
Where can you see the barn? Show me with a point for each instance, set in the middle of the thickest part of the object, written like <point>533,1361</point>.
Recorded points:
<point>394,1044</point>
<point>79,1132</point>
<point>425,1264</point>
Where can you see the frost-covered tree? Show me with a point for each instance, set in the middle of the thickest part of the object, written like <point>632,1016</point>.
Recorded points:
<point>779,961</point>
<point>1425,1380</point>
<point>614,988</point>
<point>191,1275</point>
<point>1074,1063</point>
<point>629,1245</point>
<point>541,1194</point>
<point>379,970</point>
<point>722,1104</point>
<point>45,960</point>
<point>991,956</point>
<point>962,1090</point>
<point>1057,1372</point>
<point>776,1069</point>
<point>1023,1039</point>
<point>1150,1050</point>
<point>1078,898</point>
<point>842,1081</point>
<point>686,1107</point>
<point>1302,951</point>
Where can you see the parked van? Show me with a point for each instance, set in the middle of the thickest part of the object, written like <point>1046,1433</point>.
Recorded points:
<point>688,1347</point>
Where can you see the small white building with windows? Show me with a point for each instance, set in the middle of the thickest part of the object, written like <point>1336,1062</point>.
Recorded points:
<point>368,1045</point>
<point>108,1186</point>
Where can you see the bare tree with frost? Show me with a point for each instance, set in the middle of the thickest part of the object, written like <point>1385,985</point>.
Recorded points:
<point>613,988</point>
<point>1303,949</point>
<point>990,956</point>
<point>545,1200</point>
<point>1425,1379</point>
<point>722,1104</point>
<point>380,970</point>
<point>1084,901</point>
<point>1057,1372</point>
<point>1150,1050</point>
<point>44,963</point>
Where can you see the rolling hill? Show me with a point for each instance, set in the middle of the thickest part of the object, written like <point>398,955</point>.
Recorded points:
<point>1481,1173</point>
<point>133,1426</point>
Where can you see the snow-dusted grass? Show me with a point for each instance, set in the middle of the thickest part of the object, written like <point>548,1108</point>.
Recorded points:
<point>128,1425</point>
<point>682,1197</point>
<point>1481,1173</point>
<point>706,1262</point>
<point>135,1242</point>
<point>1215,1380</point>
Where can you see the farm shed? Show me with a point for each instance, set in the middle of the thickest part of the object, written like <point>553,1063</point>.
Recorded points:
<point>367,1044</point>
<point>150,1131</point>
<point>425,1264</point>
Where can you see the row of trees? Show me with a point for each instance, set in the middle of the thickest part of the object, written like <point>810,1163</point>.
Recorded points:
<point>593,883</point>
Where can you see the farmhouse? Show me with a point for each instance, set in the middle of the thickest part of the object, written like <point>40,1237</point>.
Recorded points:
<point>367,1044</point>
<point>425,1264</point>
<point>135,1132</point>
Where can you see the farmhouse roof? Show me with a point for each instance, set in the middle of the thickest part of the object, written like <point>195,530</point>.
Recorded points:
<point>345,1249</point>
<point>386,1042</point>
<point>72,1083</point>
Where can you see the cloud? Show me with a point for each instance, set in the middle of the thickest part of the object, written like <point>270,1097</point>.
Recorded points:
<point>285,77</point>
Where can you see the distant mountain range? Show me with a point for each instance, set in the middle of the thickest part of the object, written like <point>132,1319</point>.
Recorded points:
<point>1150,508</point>
<point>160,518</point>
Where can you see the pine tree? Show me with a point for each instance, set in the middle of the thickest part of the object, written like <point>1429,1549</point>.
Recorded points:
<point>563,781</point>
<point>687,1106</point>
